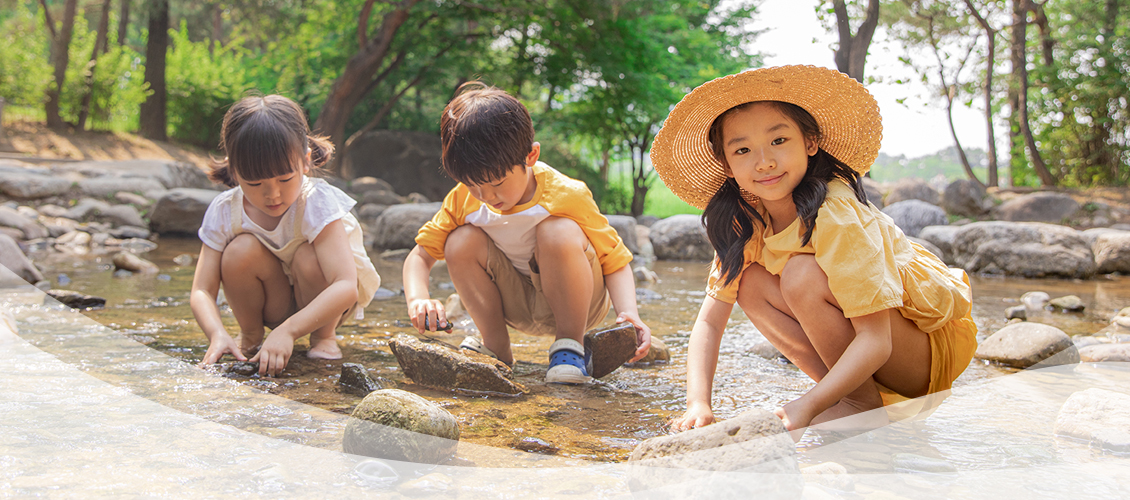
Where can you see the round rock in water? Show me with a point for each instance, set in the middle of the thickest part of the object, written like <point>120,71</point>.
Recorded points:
<point>1067,303</point>
<point>398,425</point>
<point>1022,345</point>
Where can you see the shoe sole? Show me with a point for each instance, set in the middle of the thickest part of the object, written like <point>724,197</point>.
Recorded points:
<point>555,376</point>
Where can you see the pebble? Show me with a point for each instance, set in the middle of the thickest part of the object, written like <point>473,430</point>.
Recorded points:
<point>243,368</point>
<point>63,279</point>
<point>532,444</point>
<point>355,379</point>
<point>1067,303</point>
<point>1016,312</point>
<point>131,262</point>
<point>183,259</point>
<point>1035,300</point>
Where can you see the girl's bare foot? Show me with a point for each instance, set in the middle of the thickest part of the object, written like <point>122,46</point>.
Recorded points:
<point>324,348</point>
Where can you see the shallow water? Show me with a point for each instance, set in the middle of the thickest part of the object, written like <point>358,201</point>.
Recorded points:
<point>600,422</point>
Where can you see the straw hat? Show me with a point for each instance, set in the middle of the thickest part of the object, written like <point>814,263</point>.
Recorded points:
<point>848,116</point>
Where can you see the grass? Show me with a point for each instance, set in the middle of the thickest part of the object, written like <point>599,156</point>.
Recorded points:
<point>662,203</point>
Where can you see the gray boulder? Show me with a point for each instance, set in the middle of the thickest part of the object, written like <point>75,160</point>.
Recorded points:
<point>107,185</point>
<point>941,237</point>
<point>625,226</point>
<point>408,161</point>
<point>362,185</point>
<point>121,215</point>
<point>439,366</point>
<point>168,174</point>
<point>180,210</point>
<point>1038,207</point>
<point>29,185</point>
<point>911,188</point>
<point>681,237</point>
<point>86,207</point>
<point>913,215</point>
<point>398,425</point>
<point>12,258</point>
<point>1093,410</point>
<point>397,226</point>
<point>1024,249</point>
<point>964,197</point>
<point>382,197</point>
<point>1111,248</point>
<point>29,227</point>
<point>1023,345</point>
<point>1100,353</point>
<point>646,220</point>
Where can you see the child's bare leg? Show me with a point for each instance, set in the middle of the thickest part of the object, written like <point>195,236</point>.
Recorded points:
<point>309,281</point>
<point>256,288</point>
<point>466,256</point>
<point>566,275</point>
<point>759,296</point>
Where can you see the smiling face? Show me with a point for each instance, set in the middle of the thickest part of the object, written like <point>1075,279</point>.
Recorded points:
<point>272,196</point>
<point>767,154</point>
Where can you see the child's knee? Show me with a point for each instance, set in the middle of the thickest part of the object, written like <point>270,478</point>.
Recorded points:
<point>242,251</point>
<point>560,233</point>
<point>803,279</point>
<point>465,241</point>
<point>304,266</point>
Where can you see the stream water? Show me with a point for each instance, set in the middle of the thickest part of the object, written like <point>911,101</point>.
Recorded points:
<point>146,342</point>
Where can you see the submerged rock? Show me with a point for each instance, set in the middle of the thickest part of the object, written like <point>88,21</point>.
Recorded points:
<point>241,368</point>
<point>77,300</point>
<point>1022,345</point>
<point>1067,303</point>
<point>132,263</point>
<point>355,379</point>
<point>398,425</point>
<point>436,365</point>
<point>611,348</point>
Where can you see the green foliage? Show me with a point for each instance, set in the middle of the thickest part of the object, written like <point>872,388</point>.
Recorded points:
<point>117,86</point>
<point>202,85</point>
<point>24,71</point>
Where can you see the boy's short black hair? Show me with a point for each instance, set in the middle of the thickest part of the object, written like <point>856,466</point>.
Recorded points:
<point>485,133</point>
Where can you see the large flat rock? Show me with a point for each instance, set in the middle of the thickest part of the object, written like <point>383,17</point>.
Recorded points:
<point>437,365</point>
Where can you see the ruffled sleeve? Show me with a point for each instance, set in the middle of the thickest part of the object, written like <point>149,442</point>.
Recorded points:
<point>855,247</point>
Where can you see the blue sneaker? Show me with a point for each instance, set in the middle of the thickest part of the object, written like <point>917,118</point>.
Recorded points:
<point>567,363</point>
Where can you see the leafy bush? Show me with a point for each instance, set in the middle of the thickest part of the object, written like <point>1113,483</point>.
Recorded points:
<point>202,85</point>
<point>23,70</point>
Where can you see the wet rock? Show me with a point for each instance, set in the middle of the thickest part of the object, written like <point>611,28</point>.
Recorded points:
<point>1105,353</point>
<point>128,198</point>
<point>1091,410</point>
<point>136,245</point>
<point>28,185</point>
<point>362,185</point>
<point>642,273</point>
<point>909,462</point>
<point>85,208</point>
<point>625,226</point>
<point>1112,250</point>
<point>1082,341</point>
<point>1041,206</point>
<point>128,232</point>
<point>355,379</point>
<point>397,227</point>
<point>681,237</point>
<point>435,365</point>
<point>535,445</point>
<point>1035,301</point>
<point>432,484</point>
<point>120,215</point>
<point>398,425</point>
<point>942,237</point>
<point>911,188</point>
<point>964,197</point>
<point>134,264</point>
<point>657,352</point>
<point>31,229</point>
<point>913,215</point>
<point>610,348</point>
<point>180,210</point>
<point>241,368</point>
<point>1022,345</point>
<point>453,307</point>
<point>1067,303</point>
<point>829,474</point>
<point>1019,312</point>
<point>12,259</point>
<point>1024,249</point>
<point>753,442</point>
<point>76,300</point>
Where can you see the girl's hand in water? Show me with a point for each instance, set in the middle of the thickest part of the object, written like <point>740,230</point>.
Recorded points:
<point>795,417</point>
<point>221,344</point>
<point>697,415</point>
<point>275,353</point>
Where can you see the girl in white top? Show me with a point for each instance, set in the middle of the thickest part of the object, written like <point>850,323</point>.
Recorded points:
<point>284,246</point>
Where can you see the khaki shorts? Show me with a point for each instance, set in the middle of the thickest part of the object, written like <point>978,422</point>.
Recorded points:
<point>524,306</point>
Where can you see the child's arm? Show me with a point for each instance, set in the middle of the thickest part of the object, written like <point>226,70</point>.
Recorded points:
<point>868,352</point>
<point>621,285</point>
<point>335,258</point>
<point>702,359</point>
<point>417,266</point>
<point>202,300</point>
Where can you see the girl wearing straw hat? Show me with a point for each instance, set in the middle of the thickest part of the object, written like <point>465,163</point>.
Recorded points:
<point>774,157</point>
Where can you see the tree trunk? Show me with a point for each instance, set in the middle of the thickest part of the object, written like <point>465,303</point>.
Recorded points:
<point>217,28</point>
<point>1020,78</point>
<point>153,123</point>
<point>987,89</point>
<point>123,23</point>
<point>60,57</point>
<point>348,90</point>
<point>851,55</point>
<point>99,47</point>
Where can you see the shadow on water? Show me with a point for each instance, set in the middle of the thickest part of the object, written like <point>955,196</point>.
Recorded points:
<point>598,422</point>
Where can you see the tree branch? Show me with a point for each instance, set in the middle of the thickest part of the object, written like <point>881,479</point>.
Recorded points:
<point>47,17</point>
<point>363,24</point>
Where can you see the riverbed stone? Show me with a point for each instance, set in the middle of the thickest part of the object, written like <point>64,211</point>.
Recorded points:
<point>610,348</point>
<point>398,425</point>
<point>432,364</point>
<point>754,442</point>
<point>1035,300</point>
<point>1111,248</point>
<point>76,300</point>
<point>29,227</point>
<point>830,474</point>
<point>681,237</point>
<point>121,215</point>
<point>13,258</point>
<point>134,264</point>
<point>1042,206</point>
<point>28,185</point>
<point>964,197</point>
<point>1023,249</point>
<point>128,198</point>
<point>382,197</point>
<point>911,188</point>
<point>397,226</point>
<point>107,185</point>
<point>52,210</point>
<point>942,237</point>
<point>1091,410</point>
<point>1018,312</point>
<point>1023,345</point>
<point>930,247</point>
<point>128,232</point>
<point>85,208</point>
<point>180,210</point>
<point>645,275</point>
<point>913,215</point>
<point>625,226</point>
<point>1067,303</point>
<point>1105,353</point>
<point>355,379</point>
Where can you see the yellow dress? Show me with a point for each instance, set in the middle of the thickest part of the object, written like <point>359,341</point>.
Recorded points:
<point>872,266</point>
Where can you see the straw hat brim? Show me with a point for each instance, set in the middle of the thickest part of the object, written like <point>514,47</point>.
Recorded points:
<point>848,115</point>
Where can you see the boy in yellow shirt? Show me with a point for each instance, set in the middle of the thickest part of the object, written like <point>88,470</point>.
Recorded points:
<point>525,245</point>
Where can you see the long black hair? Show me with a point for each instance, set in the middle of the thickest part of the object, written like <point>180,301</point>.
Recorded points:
<point>729,219</point>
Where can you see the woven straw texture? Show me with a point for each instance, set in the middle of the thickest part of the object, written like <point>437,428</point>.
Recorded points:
<point>848,115</point>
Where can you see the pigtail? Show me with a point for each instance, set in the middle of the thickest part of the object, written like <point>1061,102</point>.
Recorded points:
<point>729,227</point>
<point>321,150</point>
<point>221,173</point>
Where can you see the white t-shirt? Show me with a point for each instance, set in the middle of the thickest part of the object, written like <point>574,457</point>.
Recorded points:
<point>324,204</point>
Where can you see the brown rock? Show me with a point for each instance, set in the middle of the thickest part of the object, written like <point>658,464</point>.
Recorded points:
<point>77,300</point>
<point>355,379</point>
<point>658,352</point>
<point>610,348</point>
<point>134,264</point>
<point>437,365</point>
